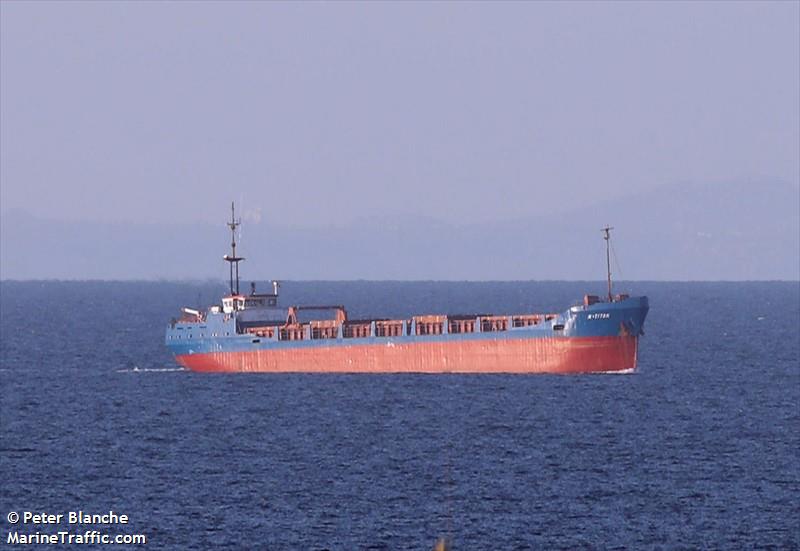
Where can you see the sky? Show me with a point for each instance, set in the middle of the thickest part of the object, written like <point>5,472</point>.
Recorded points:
<point>317,114</point>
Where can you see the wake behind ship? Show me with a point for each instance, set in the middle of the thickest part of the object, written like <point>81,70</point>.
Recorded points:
<point>252,332</point>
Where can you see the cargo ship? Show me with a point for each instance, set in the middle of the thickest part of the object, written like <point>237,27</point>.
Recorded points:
<point>252,332</point>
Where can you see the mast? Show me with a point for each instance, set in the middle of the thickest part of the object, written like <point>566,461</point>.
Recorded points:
<point>232,258</point>
<point>607,237</point>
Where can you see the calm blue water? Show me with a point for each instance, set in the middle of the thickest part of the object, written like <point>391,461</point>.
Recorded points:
<point>698,449</point>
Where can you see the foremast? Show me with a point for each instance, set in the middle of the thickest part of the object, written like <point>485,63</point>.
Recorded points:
<point>607,237</point>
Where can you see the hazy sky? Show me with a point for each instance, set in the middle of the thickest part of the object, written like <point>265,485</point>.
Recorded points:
<point>318,113</point>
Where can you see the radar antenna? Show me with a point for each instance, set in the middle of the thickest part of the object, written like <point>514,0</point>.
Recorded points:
<point>232,258</point>
<point>607,237</point>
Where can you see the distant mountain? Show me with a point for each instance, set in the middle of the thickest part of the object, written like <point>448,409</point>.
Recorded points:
<point>688,233</point>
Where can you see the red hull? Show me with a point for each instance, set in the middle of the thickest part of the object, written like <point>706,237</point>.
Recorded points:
<point>544,355</point>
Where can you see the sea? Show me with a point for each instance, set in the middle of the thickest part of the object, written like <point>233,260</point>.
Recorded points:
<point>699,448</point>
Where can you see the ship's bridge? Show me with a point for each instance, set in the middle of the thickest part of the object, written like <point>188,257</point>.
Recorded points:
<point>233,303</point>
<point>237,303</point>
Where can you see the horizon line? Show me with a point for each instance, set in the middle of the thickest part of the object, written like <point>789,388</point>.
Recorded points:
<point>222,281</point>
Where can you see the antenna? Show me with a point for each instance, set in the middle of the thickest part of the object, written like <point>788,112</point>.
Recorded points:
<point>607,237</point>
<point>232,258</point>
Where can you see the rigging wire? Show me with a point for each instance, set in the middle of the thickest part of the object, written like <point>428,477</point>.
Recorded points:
<point>616,262</point>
